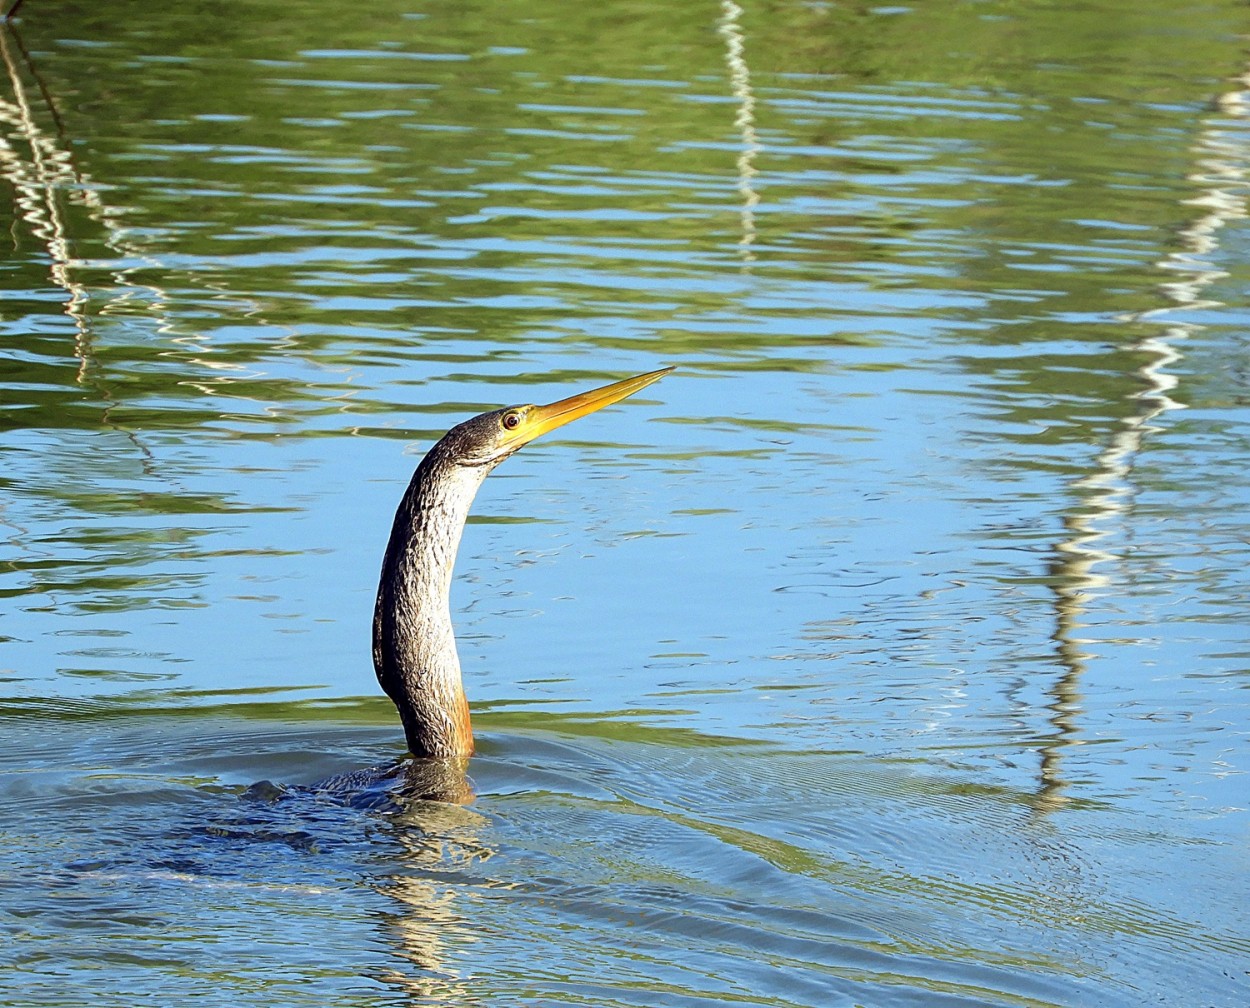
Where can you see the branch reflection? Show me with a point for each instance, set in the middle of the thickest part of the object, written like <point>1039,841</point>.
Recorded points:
<point>730,30</point>
<point>47,184</point>
<point>1104,496</point>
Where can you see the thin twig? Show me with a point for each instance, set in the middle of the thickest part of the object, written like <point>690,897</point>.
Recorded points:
<point>34,73</point>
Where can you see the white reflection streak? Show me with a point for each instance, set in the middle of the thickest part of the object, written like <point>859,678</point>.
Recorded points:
<point>36,183</point>
<point>740,84</point>
<point>41,176</point>
<point>1223,178</point>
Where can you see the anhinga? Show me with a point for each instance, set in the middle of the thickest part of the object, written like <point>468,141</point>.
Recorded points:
<point>414,647</point>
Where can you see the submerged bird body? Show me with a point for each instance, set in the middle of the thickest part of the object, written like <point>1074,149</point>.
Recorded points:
<point>414,645</point>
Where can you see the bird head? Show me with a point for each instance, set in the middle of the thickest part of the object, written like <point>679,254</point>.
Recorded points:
<point>488,439</point>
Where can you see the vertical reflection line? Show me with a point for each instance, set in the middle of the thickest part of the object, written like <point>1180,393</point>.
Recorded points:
<point>42,180</point>
<point>1105,493</point>
<point>38,185</point>
<point>730,30</point>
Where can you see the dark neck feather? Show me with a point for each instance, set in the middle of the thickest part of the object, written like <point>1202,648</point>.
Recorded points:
<point>414,646</point>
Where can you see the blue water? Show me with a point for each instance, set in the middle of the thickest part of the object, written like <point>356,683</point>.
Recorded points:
<point>893,650</point>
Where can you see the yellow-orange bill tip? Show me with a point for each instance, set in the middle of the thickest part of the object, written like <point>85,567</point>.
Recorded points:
<point>541,419</point>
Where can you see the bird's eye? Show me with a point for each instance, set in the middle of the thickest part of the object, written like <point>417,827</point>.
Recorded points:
<point>511,421</point>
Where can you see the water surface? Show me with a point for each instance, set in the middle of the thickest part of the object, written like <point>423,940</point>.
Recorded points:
<point>892,651</point>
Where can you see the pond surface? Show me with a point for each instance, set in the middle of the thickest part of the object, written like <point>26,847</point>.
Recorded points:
<point>893,651</point>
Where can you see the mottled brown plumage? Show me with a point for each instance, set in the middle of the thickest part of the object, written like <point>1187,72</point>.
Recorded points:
<point>414,645</point>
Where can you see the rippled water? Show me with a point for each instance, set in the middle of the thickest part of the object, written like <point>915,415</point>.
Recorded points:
<point>892,651</point>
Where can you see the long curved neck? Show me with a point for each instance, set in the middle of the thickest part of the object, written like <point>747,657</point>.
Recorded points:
<point>414,647</point>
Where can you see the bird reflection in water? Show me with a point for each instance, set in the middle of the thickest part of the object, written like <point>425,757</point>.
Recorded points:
<point>423,797</point>
<point>441,849</point>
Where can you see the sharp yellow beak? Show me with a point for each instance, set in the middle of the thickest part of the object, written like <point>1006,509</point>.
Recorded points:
<point>539,420</point>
